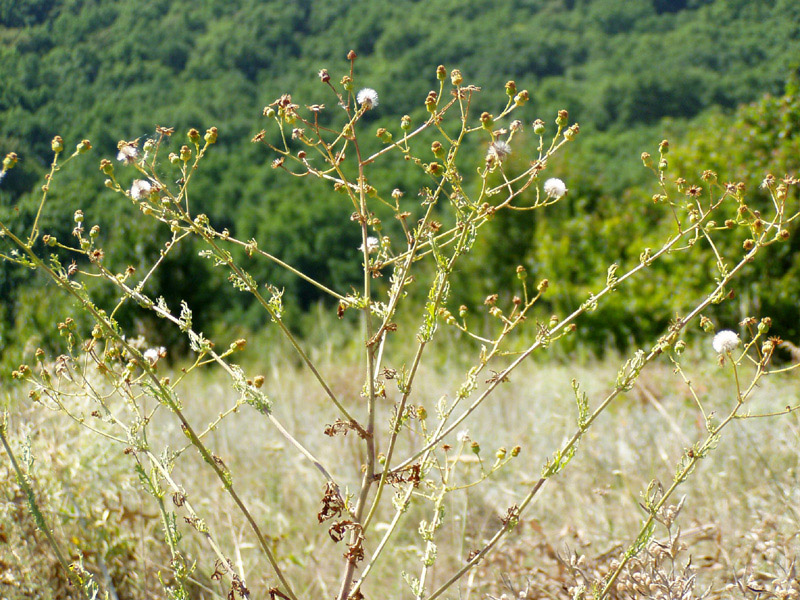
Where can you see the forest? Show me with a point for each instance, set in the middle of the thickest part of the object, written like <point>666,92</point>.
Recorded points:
<point>719,79</point>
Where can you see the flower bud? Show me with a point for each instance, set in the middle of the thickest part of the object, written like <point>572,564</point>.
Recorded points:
<point>97,332</point>
<point>9,161</point>
<point>663,164</point>
<point>764,325</point>
<point>193,135</point>
<point>487,120</point>
<point>441,73</point>
<point>543,285</point>
<point>562,118</point>
<point>186,153</point>
<point>347,83</point>
<point>94,231</point>
<point>522,98</point>
<point>50,240</point>
<point>324,76</point>
<point>57,144</point>
<point>706,324</point>
<point>269,112</point>
<point>500,454</point>
<point>174,158</point>
<point>437,149</point>
<point>405,122</point>
<point>106,166</point>
<point>383,135</point>
<point>511,88</point>
<point>475,447</point>
<point>258,381</point>
<point>522,274</point>
<point>748,245</point>
<point>680,346</point>
<point>571,132</point>
<point>646,160</point>
<point>435,169</point>
<point>515,451</point>
<point>553,322</point>
<point>83,147</point>
<point>462,310</point>
<point>455,77</point>
<point>239,344</point>
<point>78,216</point>
<point>783,235</point>
<point>351,56</point>
<point>431,101</point>
<point>422,414</point>
<point>663,147</point>
<point>538,127</point>
<point>211,135</point>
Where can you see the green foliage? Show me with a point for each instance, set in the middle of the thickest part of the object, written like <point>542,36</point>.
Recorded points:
<point>108,70</point>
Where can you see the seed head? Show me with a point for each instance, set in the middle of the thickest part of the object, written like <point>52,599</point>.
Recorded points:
<point>373,244</point>
<point>725,341</point>
<point>367,98</point>
<point>140,189</point>
<point>498,150</point>
<point>554,188</point>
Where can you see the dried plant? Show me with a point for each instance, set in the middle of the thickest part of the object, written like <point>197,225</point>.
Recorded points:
<point>413,453</point>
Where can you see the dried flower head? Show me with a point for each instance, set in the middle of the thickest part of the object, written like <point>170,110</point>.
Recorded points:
<point>140,189</point>
<point>368,98</point>
<point>499,150</point>
<point>725,341</point>
<point>152,355</point>
<point>127,153</point>
<point>372,245</point>
<point>554,188</point>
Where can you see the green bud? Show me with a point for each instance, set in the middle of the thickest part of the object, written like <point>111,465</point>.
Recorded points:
<point>9,161</point>
<point>538,127</point>
<point>383,135</point>
<point>680,346</point>
<point>211,135</point>
<point>57,144</point>
<point>487,120</point>
<point>83,147</point>
<point>562,118</point>
<point>405,122</point>
<point>186,153</point>
<point>475,447</point>
<point>441,73</point>
<point>511,88</point>
<point>193,135</point>
<point>522,98</point>
<point>107,167</point>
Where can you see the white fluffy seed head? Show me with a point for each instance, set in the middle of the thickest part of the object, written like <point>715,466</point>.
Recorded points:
<point>368,98</point>
<point>373,244</point>
<point>725,341</point>
<point>127,153</point>
<point>499,150</point>
<point>140,189</point>
<point>554,188</point>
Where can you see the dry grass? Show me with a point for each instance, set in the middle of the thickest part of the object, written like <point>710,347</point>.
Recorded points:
<point>739,521</point>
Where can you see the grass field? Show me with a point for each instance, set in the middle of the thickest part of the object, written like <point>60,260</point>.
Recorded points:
<point>738,524</point>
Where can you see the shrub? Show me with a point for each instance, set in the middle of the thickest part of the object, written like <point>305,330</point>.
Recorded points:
<point>406,451</point>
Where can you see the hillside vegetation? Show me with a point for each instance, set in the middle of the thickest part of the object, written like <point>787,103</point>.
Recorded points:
<point>629,71</point>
